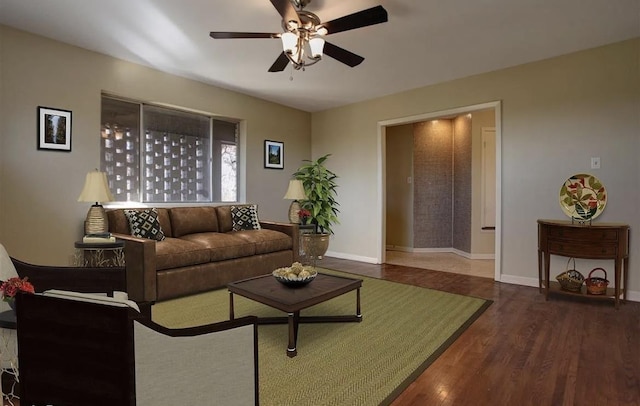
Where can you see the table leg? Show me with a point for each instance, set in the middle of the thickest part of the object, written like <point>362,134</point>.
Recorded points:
<point>539,271</point>
<point>625,269</point>
<point>616,288</point>
<point>547,265</point>
<point>231,315</point>
<point>294,322</point>
<point>358,311</point>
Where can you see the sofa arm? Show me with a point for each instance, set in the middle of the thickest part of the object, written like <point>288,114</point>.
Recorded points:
<point>290,229</point>
<point>140,260</point>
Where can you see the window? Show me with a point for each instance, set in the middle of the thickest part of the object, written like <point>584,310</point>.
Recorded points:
<point>161,155</point>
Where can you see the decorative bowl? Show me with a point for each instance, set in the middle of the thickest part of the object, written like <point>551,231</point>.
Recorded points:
<point>295,275</point>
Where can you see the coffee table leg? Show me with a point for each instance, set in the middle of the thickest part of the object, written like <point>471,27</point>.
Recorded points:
<point>294,321</point>
<point>358,311</point>
<point>231,315</point>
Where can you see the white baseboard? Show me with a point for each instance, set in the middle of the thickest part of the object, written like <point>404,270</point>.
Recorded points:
<point>430,250</point>
<point>470,255</point>
<point>632,296</point>
<point>519,280</point>
<point>399,248</point>
<point>341,255</point>
<point>464,254</point>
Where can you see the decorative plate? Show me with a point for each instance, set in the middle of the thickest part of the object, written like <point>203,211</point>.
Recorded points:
<point>583,197</point>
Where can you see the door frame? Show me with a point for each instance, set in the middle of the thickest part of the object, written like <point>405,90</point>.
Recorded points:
<point>382,182</point>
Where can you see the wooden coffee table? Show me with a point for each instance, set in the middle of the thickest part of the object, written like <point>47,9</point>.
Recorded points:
<point>267,290</point>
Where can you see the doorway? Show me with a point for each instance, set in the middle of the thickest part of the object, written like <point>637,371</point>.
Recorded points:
<point>391,185</point>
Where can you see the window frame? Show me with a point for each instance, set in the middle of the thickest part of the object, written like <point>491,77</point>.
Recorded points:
<point>215,173</point>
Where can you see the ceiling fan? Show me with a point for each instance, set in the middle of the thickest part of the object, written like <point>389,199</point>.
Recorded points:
<point>302,39</point>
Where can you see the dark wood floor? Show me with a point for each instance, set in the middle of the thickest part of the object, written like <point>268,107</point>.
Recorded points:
<point>524,350</point>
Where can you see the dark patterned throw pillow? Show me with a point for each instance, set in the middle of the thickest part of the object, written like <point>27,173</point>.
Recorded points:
<point>144,224</point>
<point>245,217</point>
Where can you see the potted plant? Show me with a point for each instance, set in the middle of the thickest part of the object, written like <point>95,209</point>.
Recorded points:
<point>10,288</point>
<point>320,187</point>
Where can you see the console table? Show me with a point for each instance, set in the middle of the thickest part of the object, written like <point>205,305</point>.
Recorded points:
<point>596,241</point>
<point>99,255</point>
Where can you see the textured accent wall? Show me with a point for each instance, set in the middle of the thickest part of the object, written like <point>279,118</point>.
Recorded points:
<point>462,147</point>
<point>433,171</point>
<point>442,184</point>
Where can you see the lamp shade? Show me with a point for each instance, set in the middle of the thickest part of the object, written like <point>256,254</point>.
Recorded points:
<point>289,42</point>
<point>295,190</point>
<point>317,45</point>
<point>96,188</point>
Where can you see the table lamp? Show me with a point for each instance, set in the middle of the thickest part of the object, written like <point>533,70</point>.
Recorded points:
<point>96,189</point>
<point>295,192</point>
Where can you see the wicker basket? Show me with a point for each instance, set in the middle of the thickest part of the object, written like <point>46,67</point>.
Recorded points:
<point>597,285</point>
<point>571,279</point>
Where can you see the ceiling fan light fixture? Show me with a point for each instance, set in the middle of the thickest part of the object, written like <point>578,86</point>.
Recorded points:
<point>303,31</point>
<point>317,45</point>
<point>289,42</point>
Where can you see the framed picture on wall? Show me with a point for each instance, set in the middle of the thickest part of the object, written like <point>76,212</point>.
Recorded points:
<point>54,129</point>
<point>273,154</point>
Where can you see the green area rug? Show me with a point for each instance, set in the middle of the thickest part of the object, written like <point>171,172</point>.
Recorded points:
<point>404,329</point>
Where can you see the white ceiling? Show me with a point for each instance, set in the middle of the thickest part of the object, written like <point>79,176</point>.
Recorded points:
<point>424,42</point>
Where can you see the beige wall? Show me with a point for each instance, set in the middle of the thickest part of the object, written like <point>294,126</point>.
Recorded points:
<point>40,217</point>
<point>556,114</point>
<point>399,204</point>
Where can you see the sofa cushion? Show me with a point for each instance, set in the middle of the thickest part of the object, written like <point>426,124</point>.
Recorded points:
<point>190,220</point>
<point>245,217</point>
<point>225,224</point>
<point>118,222</point>
<point>176,252</point>
<point>222,246</point>
<point>265,241</point>
<point>145,224</point>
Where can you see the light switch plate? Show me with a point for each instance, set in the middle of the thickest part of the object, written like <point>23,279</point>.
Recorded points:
<point>595,162</point>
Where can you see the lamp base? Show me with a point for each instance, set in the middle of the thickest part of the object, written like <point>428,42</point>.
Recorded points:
<point>293,212</point>
<point>96,221</point>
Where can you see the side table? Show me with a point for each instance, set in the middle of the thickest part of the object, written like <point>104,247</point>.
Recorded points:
<point>99,255</point>
<point>8,356</point>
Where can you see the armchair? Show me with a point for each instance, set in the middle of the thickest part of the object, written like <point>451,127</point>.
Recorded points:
<point>107,281</point>
<point>75,350</point>
<point>78,279</point>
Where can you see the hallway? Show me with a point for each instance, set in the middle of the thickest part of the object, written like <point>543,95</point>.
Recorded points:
<point>443,261</point>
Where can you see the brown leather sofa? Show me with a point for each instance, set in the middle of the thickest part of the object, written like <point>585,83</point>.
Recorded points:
<point>200,252</point>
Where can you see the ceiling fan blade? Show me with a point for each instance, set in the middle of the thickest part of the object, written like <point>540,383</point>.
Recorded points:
<point>280,63</point>
<point>286,10</point>
<point>342,55</point>
<point>232,35</point>
<point>370,16</point>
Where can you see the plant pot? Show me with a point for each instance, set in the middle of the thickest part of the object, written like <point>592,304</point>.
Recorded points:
<point>315,245</point>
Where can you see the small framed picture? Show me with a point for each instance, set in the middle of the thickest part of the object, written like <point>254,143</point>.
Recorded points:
<point>54,129</point>
<point>273,154</point>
